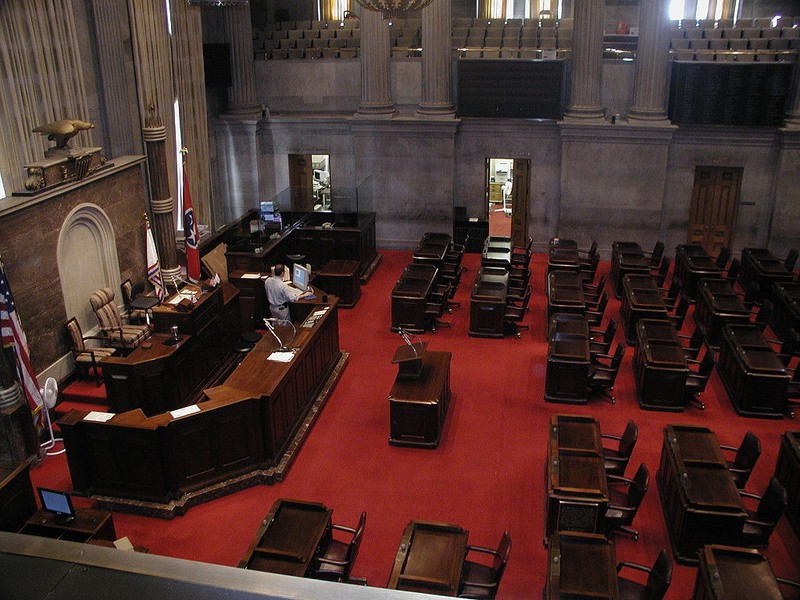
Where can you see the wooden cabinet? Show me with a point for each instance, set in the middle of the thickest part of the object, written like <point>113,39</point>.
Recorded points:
<point>17,502</point>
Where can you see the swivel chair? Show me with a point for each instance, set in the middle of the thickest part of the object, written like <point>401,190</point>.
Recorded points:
<point>623,506</point>
<point>745,459</point>
<point>602,377</point>
<point>761,522</point>
<point>335,560</point>
<point>616,459</point>
<point>659,577</point>
<point>479,580</point>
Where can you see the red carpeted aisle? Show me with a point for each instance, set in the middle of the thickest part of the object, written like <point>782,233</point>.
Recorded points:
<point>487,474</point>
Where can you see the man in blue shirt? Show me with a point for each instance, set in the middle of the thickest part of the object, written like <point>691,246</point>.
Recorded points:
<point>280,293</point>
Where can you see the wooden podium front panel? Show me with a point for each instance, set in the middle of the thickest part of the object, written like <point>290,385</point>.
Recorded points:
<point>418,407</point>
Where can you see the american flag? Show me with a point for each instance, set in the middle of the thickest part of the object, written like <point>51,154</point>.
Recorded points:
<point>13,336</point>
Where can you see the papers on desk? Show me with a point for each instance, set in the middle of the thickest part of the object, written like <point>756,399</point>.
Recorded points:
<point>98,417</point>
<point>473,219</point>
<point>283,357</point>
<point>182,412</point>
<point>250,276</point>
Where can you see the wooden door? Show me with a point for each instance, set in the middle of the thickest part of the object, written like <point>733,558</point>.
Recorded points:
<point>519,202</point>
<point>301,182</point>
<point>712,213</point>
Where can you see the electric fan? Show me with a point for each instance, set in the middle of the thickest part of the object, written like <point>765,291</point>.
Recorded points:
<point>49,396</point>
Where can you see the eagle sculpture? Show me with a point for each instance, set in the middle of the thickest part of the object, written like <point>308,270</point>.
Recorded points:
<point>61,131</point>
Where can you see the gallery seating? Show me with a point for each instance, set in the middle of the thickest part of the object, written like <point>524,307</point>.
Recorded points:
<point>623,506</point>
<point>479,580</point>
<point>761,522</point>
<point>86,357</point>
<point>659,576</point>
<point>745,459</point>
<point>117,334</point>
<point>602,377</point>
<point>335,559</point>
<point>616,459</point>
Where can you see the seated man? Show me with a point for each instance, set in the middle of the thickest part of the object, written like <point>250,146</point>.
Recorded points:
<point>280,293</point>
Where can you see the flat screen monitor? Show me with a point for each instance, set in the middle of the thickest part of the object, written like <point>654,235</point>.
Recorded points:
<point>300,276</point>
<point>58,503</point>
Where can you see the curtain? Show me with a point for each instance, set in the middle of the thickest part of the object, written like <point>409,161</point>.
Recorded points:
<point>334,9</point>
<point>41,76</point>
<point>492,9</point>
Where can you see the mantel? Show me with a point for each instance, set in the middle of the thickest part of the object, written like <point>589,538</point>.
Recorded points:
<point>12,204</point>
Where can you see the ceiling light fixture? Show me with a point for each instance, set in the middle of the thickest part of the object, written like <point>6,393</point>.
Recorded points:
<point>394,8</point>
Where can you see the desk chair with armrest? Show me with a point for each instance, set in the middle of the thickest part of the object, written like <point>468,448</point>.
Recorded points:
<point>659,576</point>
<point>623,506</point>
<point>723,257</point>
<point>696,381</point>
<point>132,300</point>
<point>663,268</point>
<point>592,292</point>
<point>514,314</point>
<point>588,255</point>
<point>86,358</point>
<point>745,459</point>
<point>793,393</point>
<point>595,316</point>
<point>733,271</point>
<point>761,522</point>
<point>602,377</point>
<point>656,254</point>
<point>616,459</point>
<point>589,270</point>
<point>117,334</point>
<point>696,341</point>
<point>479,580</point>
<point>791,259</point>
<point>335,560</point>
<point>672,292</point>
<point>601,344</point>
<point>679,316</point>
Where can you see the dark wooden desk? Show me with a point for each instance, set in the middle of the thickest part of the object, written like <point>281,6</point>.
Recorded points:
<point>581,565</point>
<point>698,496</point>
<point>760,270</point>
<point>409,298</point>
<point>289,538</point>
<point>496,258</point>
<point>563,254</point>
<point>727,572</point>
<point>565,293</point>
<point>498,243</point>
<point>568,324</point>
<point>691,265</point>
<point>487,303</point>
<point>17,502</point>
<point>641,299</point>
<point>88,524</point>
<point>567,373</point>
<point>627,258</point>
<point>418,407</point>
<point>430,252</point>
<point>717,304</point>
<point>659,366</point>
<point>787,471</point>
<point>429,559</point>
<point>754,376</point>
<point>340,278</point>
<point>786,315</point>
<point>576,487</point>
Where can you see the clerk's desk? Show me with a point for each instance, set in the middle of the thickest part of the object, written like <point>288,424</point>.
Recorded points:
<point>246,424</point>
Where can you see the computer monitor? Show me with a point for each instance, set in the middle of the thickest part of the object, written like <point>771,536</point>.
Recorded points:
<point>58,503</point>
<point>300,276</point>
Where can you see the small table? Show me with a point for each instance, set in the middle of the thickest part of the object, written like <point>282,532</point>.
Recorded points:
<point>730,572</point>
<point>429,559</point>
<point>288,538</point>
<point>581,565</point>
<point>88,524</point>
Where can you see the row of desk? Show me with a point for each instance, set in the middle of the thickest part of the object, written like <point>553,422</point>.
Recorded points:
<point>488,302</point>
<point>410,297</point>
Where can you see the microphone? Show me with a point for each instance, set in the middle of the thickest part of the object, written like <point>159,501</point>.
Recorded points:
<point>271,327</point>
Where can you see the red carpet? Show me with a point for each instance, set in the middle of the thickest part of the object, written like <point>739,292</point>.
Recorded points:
<point>487,474</point>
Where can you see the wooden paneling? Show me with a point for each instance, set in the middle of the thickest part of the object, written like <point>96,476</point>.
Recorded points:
<point>712,212</point>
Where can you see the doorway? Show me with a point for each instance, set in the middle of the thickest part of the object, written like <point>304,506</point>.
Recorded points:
<point>507,198</point>
<point>712,214</point>
<point>310,182</point>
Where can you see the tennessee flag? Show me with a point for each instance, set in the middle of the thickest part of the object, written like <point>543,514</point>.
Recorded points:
<point>153,266</point>
<point>190,233</point>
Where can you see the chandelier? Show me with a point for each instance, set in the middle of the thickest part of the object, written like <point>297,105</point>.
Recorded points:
<point>215,3</point>
<point>394,8</point>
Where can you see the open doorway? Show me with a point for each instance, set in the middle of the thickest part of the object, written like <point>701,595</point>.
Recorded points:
<point>507,198</point>
<point>310,182</point>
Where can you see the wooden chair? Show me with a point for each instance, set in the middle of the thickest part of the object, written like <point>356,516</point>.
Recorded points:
<point>479,580</point>
<point>86,358</point>
<point>335,560</point>
<point>616,459</point>
<point>696,381</point>
<point>602,377</point>
<point>117,334</point>
<point>745,459</point>
<point>623,506</point>
<point>659,577</point>
<point>602,344</point>
<point>761,522</point>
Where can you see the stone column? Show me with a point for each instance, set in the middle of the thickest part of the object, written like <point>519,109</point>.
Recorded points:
<point>376,89</point>
<point>587,61</point>
<point>242,98</point>
<point>792,118</point>
<point>162,204</point>
<point>436,24</point>
<point>650,87</point>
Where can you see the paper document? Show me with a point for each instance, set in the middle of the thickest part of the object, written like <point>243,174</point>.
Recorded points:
<point>250,276</point>
<point>284,357</point>
<point>187,410</point>
<point>99,417</point>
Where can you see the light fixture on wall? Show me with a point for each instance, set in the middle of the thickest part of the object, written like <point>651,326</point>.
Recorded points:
<point>394,8</point>
<point>217,3</point>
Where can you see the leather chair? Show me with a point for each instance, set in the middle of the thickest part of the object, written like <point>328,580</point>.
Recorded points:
<point>514,314</point>
<point>594,290</point>
<point>696,340</point>
<point>136,316</point>
<point>659,576</point>
<point>663,269</point>
<point>588,254</point>
<point>679,315</point>
<point>602,377</point>
<point>623,506</point>
<point>602,344</point>
<point>696,381</point>
<point>723,257</point>
<point>791,259</point>
<point>616,460</point>
<point>589,269</point>
<point>335,560</point>
<point>117,334</point>
<point>733,271</point>
<point>86,358</point>
<point>760,523</point>
<point>479,580</point>
<point>595,316</point>
<point>745,459</point>
<point>656,254</point>
<point>672,292</point>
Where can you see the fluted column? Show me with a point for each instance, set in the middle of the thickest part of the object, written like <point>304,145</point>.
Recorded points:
<point>650,87</point>
<point>587,61</point>
<point>242,98</point>
<point>436,24</point>
<point>376,89</point>
<point>792,118</point>
<point>162,204</point>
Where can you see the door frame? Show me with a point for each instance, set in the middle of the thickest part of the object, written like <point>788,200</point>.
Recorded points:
<point>520,195</point>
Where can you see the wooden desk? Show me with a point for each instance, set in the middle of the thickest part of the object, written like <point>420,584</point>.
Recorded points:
<point>565,293</point>
<point>17,502</point>
<point>581,565</point>
<point>786,315</point>
<point>567,324</point>
<point>88,524</point>
<point>409,298</point>
<point>487,303</point>
<point>567,373</point>
<point>627,258</point>
<point>727,572</point>
<point>717,304</point>
<point>340,278</point>
<point>430,253</point>
<point>760,270</point>
<point>289,538</point>
<point>754,376</point>
<point>659,366</point>
<point>429,559</point>
<point>641,299</point>
<point>698,496</point>
<point>576,487</point>
<point>787,471</point>
<point>418,407</point>
<point>563,254</point>
<point>691,265</point>
<point>496,258</point>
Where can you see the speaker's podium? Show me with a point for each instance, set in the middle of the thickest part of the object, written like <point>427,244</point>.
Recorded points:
<point>420,396</point>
